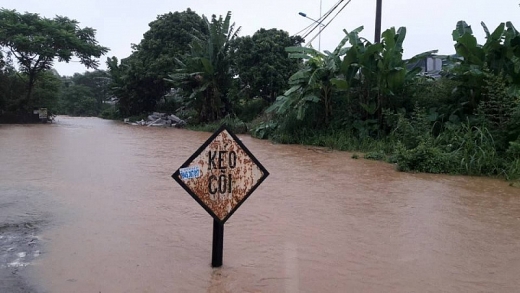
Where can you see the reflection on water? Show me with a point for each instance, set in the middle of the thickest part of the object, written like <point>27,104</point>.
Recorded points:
<point>321,222</point>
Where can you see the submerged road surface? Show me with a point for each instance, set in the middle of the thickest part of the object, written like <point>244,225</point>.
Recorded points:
<point>88,205</point>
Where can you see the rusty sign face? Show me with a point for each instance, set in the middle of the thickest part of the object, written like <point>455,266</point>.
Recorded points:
<point>221,174</point>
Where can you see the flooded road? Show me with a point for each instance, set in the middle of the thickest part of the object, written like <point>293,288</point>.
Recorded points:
<point>99,201</point>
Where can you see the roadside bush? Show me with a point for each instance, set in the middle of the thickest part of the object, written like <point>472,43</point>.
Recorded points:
<point>110,112</point>
<point>410,131</point>
<point>438,94</point>
<point>264,129</point>
<point>497,110</point>
<point>248,110</point>
<point>235,124</point>
<point>513,165</point>
<point>188,115</point>
<point>377,156</point>
<point>457,148</point>
<point>423,158</point>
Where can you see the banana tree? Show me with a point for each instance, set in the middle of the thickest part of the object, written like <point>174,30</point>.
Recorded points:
<point>377,71</point>
<point>373,72</point>
<point>205,74</point>
<point>314,83</point>
<point>500,55</point>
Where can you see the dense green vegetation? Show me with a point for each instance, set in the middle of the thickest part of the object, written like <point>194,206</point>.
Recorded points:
<point>85,95</point>
<point>365,97</point>
<point>214,72</point>
<point>361,97</point>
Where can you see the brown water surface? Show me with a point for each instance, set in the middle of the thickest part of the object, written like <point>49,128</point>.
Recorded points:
<point>322,222</point>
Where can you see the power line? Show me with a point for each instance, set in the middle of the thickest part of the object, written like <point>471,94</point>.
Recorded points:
<point>323,18</point>
<point>330,20</point>
<point>316,22</point>
<point>304,29</point>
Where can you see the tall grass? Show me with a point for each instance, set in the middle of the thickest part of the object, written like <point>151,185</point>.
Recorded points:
<point>458,148</point>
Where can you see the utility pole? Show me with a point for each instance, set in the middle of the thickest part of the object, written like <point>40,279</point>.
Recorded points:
<point>379,7</point>
<point>321,27</point>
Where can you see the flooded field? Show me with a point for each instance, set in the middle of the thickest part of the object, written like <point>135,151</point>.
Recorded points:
<point>88,205</point>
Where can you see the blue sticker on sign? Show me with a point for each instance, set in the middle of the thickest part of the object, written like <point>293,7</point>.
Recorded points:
<point>190,172</point>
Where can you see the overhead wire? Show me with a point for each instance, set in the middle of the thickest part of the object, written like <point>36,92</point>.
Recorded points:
<point>320,20</point>
<point>304,29</point>
<point>321,30</point>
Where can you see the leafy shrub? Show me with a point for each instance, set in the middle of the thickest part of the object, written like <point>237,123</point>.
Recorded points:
<point>497,110</point>
<point>234,124</point>
<point>410,131</point>
<point>435,94</point>
<point>250,109</point>
<point>514,149</point>
<point>459,149</point>
<point>188,115</point>
<point>378,156</point>
<point>513,166</point>
<point>423,158</point>
<point>264,130</point>
<point>110,112</point>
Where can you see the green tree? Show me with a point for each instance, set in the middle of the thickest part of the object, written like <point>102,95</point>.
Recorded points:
<point>12,86</point>
<point>36,42</point>
<point>138,81</point>
<point>261,63</point>
<point>47,90</point>
<point>97,81</point>
<point>78,100</point>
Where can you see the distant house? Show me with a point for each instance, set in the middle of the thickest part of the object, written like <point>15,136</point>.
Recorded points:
<point>430,66</point>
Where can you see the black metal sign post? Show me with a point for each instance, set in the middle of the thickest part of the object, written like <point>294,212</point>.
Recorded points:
<point>218,244</point>
<point>220,176</point>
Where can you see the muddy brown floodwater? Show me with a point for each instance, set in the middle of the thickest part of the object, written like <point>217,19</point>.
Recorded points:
<point>98,199</point>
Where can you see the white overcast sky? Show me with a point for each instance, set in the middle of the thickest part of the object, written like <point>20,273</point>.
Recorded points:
<point>429,23</point>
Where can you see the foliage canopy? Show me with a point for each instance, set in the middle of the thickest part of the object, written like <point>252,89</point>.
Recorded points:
<point>36,42</point>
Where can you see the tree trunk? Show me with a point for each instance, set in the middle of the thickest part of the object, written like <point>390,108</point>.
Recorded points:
<point>25,104</point>
<point>328,107</point>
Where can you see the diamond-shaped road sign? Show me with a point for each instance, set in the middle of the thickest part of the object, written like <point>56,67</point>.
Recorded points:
<point>221,174</point>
